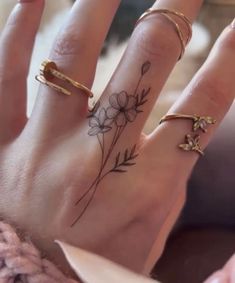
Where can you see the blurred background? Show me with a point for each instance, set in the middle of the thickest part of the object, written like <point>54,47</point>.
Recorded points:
<point>204,237</point>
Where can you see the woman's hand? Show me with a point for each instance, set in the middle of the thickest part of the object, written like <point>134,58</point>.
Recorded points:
<point>92,179</point>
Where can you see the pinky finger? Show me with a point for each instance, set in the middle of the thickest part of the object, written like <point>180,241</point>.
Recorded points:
<point>16,45</point>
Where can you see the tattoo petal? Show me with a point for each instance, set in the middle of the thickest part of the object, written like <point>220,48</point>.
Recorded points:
<point>131,115</point>
<point>102,116</point>
<point>132,101</point>
<point>121,119</point>
<point>122,99</point>
<point>108,122</point>
<point>94,131</point>
<point>112,113</point>
<point>113,101</point>
<point>93,122</point>
<point>145,68</point>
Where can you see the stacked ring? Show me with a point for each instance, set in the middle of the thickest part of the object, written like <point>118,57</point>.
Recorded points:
<point>168,14</point>
<point>49,71</point>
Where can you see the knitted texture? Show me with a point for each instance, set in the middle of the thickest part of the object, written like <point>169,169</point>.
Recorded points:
<point>21,262</point>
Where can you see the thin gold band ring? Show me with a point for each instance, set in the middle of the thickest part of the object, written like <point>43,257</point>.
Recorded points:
<point>180,34</point>
<point>171,12</point>
<point>168,13</point>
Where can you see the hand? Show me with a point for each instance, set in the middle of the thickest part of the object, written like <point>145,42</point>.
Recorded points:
<point>92,179</point>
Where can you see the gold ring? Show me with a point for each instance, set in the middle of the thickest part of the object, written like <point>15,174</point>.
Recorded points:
<point>180,34</point>
<point>42,80</point>
<point>168,13</point>
<point>49,71</point>
<point>192,144</point>
<point>199,122</point>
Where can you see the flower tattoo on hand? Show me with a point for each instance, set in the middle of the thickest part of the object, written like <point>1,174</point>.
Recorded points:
<point>123,109</point>
<point>100,124</point>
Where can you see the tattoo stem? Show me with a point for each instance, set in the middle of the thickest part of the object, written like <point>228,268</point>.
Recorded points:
<point>101,168</point>
<point>98,178</point>
<point>138,84</point>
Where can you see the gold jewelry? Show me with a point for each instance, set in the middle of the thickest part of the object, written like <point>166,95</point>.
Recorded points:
<point>199,122</point>
<point>179,32</point>
<point>42,80</point>
<point>49,71</point>
<point>192,144</point>
<point>168,14</point>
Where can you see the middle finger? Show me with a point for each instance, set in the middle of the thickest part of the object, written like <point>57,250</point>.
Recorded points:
<point>153,50</point>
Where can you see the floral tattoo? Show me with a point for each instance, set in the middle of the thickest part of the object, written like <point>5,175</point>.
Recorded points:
<point>123,109</point>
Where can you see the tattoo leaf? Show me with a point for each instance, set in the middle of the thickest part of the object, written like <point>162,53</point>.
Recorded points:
<point>130,163</point>
<point>145,68</point>
<point>127,161</point>
<point>146,92</point>
<point>118,171</point>
<point>141,98</point>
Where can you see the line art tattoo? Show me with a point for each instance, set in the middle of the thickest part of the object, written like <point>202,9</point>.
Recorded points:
<point>123,109</point>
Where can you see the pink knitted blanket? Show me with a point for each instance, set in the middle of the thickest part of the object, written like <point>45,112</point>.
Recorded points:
<point>21,262</point>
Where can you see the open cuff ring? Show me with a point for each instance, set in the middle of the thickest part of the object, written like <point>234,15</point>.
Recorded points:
<point>49,70</point>
<point>200,123</point>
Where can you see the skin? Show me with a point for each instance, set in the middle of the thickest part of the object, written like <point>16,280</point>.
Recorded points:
<point>48,161</point>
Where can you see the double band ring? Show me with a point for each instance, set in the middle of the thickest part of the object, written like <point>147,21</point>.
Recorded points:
<point>200,123</point>
<point>49,70</point>
<point>168,14</point>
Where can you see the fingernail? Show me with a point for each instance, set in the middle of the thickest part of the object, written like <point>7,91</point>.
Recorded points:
<point>233,24</point>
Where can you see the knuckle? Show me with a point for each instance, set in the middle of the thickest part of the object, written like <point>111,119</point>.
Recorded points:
<point>215,91</point>
<point>15,21</point>
<point>155,39</point>
<point>19,19</point>
<point>69,45</point>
